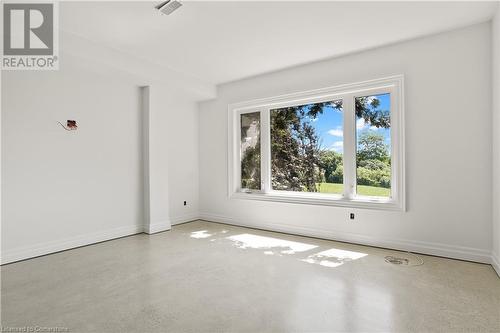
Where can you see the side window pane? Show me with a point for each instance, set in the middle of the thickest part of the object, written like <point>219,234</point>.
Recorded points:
<point>373,141</point>
<point>307,148</point>
<point>250,151</point>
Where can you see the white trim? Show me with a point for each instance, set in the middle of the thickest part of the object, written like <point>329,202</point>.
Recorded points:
<point>495,263</point>
<point>317,94</point>
<point>146,121</point>
<point>319,199</point>
<point>153,228</point>
<point>27,252</point>
<point>184,218</point>
<point>437,249</point>
<point>455,252</point>
<point>40,249</point>
<point>265,146</point>
<point>393,85</point>
<point>349,149</point>
<point>149,227</point>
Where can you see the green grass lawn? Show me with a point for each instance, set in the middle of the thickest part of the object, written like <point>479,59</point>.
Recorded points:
<point>362,190</point>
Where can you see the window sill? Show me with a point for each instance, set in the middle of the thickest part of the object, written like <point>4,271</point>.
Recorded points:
<point>322,199</point>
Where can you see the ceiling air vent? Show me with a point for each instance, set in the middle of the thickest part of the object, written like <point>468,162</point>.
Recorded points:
<point>168,7</point>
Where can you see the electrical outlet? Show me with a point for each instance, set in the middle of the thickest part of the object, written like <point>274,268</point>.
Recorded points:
<point>351,216</point>
<point>185,203</point>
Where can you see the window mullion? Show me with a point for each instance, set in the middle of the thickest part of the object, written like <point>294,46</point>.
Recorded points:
<point>349,147</point>
<point>237,152</point>
<point>265,141</point>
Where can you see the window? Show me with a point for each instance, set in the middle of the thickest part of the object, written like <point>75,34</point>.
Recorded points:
<point>250,151</point>
<point>339,146</point>
<point>373,145</point>
<point>306,148</point>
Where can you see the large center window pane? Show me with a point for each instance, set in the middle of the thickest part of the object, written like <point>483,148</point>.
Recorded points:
<point>307,148</point>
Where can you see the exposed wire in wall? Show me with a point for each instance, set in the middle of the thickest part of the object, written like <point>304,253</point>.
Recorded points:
<point>70,125</point>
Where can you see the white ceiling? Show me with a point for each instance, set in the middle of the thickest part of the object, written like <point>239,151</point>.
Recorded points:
<point>225,41</point>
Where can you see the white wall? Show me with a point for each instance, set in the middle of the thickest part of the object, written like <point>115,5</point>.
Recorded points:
<point>170,158</point>
<point>496,140</point>
<point>448,146</point>
<point>65,189</point>
<point>59,184</point>
<point>181,125</point>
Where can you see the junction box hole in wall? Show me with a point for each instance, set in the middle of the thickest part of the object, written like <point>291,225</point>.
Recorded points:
<point>70,125</point>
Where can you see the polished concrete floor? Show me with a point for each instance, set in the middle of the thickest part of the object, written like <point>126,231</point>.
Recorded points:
<point>206,277</point>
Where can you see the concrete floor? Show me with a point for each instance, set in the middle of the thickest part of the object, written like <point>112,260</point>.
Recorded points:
<point>206,277</point>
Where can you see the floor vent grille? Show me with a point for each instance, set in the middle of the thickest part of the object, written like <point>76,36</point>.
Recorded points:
<point>397,260</point>
<point>413,260</point>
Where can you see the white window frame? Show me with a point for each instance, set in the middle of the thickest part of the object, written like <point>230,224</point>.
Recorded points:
<point>393,85</point>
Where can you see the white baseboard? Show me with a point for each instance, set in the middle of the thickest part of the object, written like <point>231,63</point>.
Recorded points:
<point>495,262</point>
<point>41,249</point>
<point>442,250</point>
<point>23,253</point>
<point>456,252</point>
<point>157,227</point>
<point>184,218</point>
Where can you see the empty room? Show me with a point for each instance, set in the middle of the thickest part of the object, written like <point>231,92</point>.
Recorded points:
<point>250,166</point>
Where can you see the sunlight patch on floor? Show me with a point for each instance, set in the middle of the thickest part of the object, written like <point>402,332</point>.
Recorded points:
<point>276,246</point>
<point>270,244</point>
<point>200,234</point>
<point>333,257</point>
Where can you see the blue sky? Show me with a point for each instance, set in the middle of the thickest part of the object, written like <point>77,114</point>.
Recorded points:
<point>329,125</point>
